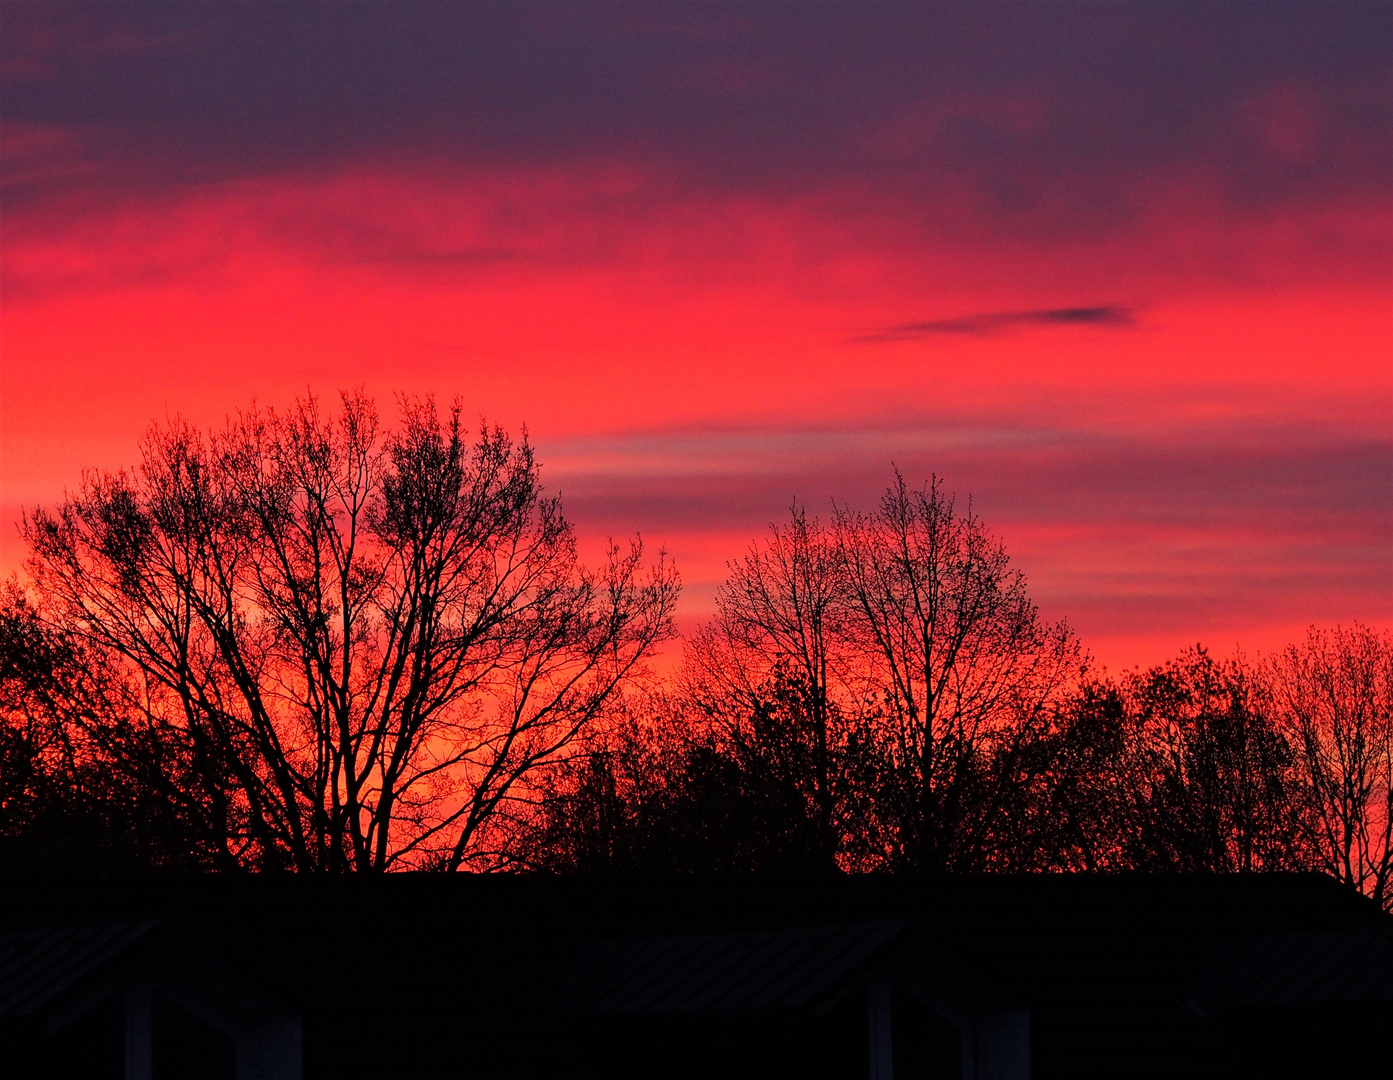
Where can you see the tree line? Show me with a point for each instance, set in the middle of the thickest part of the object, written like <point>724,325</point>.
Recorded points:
<point>879,694</point>
<point>311,641</point>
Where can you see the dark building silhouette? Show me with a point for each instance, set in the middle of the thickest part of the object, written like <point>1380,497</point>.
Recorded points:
<point>993,978</point>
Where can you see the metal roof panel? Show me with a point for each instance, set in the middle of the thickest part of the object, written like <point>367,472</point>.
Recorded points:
<point>759,970</point>
<point>37,966</point>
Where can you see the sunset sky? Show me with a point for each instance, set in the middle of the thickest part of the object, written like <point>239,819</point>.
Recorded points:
<point>1122,273</point>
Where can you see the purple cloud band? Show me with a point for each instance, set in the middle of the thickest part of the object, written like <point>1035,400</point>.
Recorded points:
<point>996,322</point>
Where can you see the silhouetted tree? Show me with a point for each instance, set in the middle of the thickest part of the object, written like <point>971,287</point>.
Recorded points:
<point>304,641</point>
<point>1333,694</point>
<point>788,781</point>
<point>595,808</point>
<point>65,801</point>
<point>355,645</point>
<point>893,670</point>
<point>1069,803</point>
<point>1211,779</point>
<point>674,791</point>
<point>1178,767</point>
<point>779,646</point>
<point>968,671</point>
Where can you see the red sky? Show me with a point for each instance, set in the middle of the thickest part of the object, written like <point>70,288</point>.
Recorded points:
<point>1126,280</point>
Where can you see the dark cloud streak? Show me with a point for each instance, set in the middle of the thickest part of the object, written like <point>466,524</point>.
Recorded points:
<point>996,322</point>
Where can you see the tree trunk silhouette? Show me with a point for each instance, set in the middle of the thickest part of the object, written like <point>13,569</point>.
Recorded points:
<point>365,641</point>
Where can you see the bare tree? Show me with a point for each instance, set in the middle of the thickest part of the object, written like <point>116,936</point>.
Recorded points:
<point>363,641</point>
<point>967,668</point>
<point>780,623</point>
<point>918,665</point>
<point>65,712</point>
<point>1212,784</point>
<point>1334,694</point>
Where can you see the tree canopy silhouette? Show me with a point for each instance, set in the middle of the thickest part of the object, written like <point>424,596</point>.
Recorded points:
<point>310,640</point>
<point>918,663</point>
<point>358,643</point>
<point>1333,696</point>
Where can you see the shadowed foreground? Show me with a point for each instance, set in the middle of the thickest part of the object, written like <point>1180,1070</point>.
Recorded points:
<point>464,975</point>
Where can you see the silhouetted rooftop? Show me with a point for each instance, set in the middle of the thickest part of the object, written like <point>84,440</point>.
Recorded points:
<point>521,975</point>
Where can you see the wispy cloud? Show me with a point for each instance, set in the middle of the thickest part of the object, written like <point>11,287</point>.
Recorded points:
<point>996,322</point>
<point>1146,540</point>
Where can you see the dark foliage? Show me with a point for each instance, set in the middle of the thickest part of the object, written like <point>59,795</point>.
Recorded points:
<point>333,646</point>
<point>62,803</point>
<point>1175,769</point>
<point>817,725</point>
<point>670,792</point>
<point>303,643</point>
